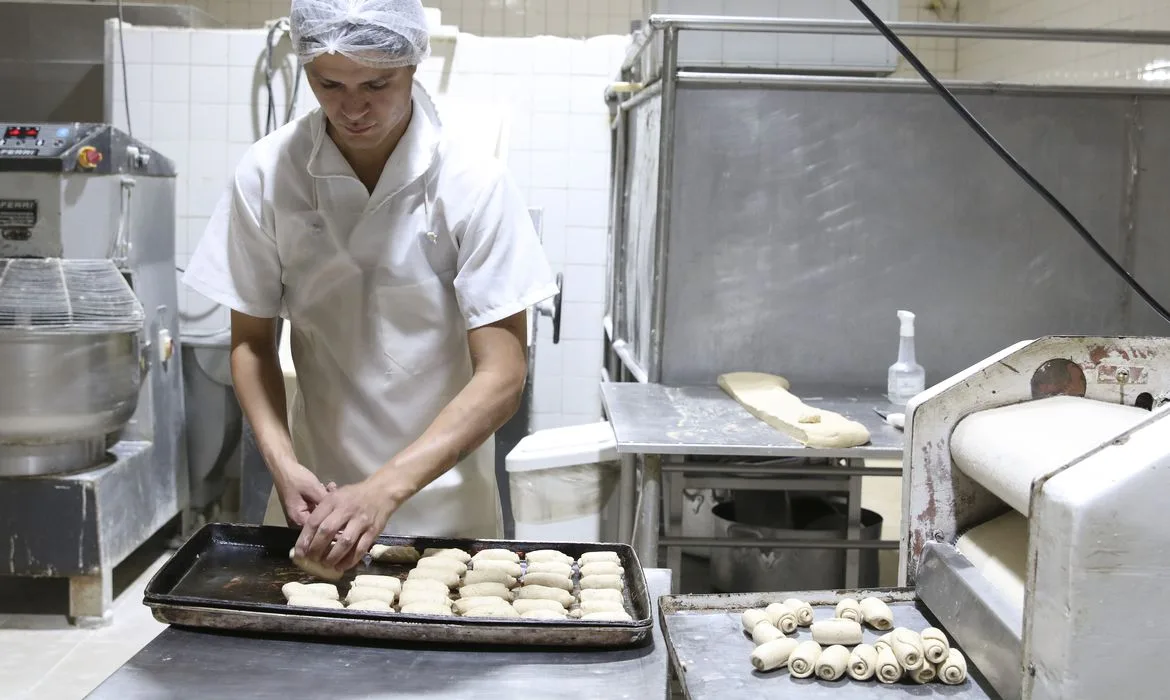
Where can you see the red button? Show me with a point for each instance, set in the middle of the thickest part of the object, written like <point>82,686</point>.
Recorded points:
<point>89,157</point>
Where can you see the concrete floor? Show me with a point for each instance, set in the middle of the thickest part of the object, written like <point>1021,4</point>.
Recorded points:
<point>43,657</point>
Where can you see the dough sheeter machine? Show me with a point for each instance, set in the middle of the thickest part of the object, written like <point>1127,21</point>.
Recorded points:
<point>1032,534</point>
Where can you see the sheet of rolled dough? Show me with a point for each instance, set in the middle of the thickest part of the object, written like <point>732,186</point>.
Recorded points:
<point>999,550</point>
<point>766,397</point>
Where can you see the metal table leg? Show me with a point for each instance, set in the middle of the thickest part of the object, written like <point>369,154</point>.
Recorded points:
<point>648,516</point>
<point>91,599</point>
<point>672,486</point>
<point>627,499</point>
<point>853,533</point>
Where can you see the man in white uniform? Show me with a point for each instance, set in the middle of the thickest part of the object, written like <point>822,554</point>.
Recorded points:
<point>405,267</point>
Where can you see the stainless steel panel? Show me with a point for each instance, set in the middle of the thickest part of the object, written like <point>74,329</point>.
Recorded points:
<point>802,219</point>
<point>633,323</point>
<point>1151,245</point>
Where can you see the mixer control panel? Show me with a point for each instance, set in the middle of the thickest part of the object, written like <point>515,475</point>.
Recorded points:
<point>36,140</point>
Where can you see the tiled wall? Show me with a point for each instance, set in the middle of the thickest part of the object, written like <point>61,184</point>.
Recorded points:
<point>1049,62</point>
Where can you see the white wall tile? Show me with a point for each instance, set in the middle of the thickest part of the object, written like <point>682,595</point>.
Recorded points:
<point>582,358</point>
<point>586,246</point>
<point>210,48</point>
<point>170,83</point>
<point>584,283</point>
<point>209,84</point>
<point>171,47</point>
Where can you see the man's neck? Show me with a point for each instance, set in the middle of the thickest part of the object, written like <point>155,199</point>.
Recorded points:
<point>369,163</point>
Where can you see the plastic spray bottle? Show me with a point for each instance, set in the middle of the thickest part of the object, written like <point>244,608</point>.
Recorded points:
<point>906,378</point>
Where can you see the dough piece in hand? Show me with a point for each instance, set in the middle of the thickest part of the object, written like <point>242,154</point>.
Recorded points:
<point>465,605</point>
<point>497,554</point>
<point>923,674</point>
<point>425,584</point>
<point>314,568</point>
<point>426,609</point>
<point>803,611</point>
<point>610,616</point>
<point>322,590</point>
<point>509,567</point>
<point>549,567</point>
<point>498,590</point>
<point>953,671</point>
<point>448,578</point>
<point>766,397</point>
<point>832,663</point>
<point>862,662</point>
<point>752,617</point>
<point>602,581</point>
<point>593,606</point>
<point>541,556</point>
<point>550,580</point>
<point>782,617</point>
<point>877,614</point>
<point>370,605</point>
<point>449,552</point>
<point>888,668</point>
<point>374,581</point>
<point>773,655</point>
<point>934,645</point>
<point>501,610</point>
<point>600,594</point>
<point>545,593</point>
<point>489,576</point>
<point>849,609</point>
<point>545,615</point>
<point>359,593</point>
<point>411,597</point>
<point>591,557</point>
<point>837,631</point>
<point>313,601</point>
<point>761,634</point>
<point>446,563</point>
<point>601,567</point>
<point>907,646</point>
<point>529,604</point>
<point>394,554</point>
<point>803,662</point>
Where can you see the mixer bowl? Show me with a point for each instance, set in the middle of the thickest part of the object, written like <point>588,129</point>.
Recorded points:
<point>61,395</point>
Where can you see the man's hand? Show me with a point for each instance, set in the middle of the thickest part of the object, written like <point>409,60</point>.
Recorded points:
<point>300,493</point>
<point>350,518</point>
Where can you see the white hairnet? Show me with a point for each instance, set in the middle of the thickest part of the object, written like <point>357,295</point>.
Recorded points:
<point>377,33</point>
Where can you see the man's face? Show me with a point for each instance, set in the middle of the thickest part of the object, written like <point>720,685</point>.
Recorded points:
<point>364,104</point>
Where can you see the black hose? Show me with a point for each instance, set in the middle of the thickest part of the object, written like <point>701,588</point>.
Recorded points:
<point>1003,153</point>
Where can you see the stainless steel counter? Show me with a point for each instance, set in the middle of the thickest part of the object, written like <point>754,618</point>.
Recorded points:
<point>663,420</point>
<point>182,663</point>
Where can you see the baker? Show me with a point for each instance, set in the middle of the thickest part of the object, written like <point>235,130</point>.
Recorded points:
<point>405,266</point>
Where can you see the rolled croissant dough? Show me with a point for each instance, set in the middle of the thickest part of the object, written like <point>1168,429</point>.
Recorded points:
<point>766,397</point>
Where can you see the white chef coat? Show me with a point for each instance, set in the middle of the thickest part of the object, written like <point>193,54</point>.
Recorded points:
<point>380,291</point>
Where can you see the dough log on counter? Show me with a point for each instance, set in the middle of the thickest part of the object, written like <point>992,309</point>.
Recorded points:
<point>782,616</point>
<point>764,633</point>
<point>752,617</point>
<point>888,668</point>
<point>876,614</point>
<point>766,397</point>
<point>953,671</point>
<point>803,662</point>
<point>935,645</point>
<point>849,609</point>
<point>837,631</point>
<point>804,611</point>
<point>862,662</point>
<point>832,663</point>
<point>907,646</point>
<point>774,654</point>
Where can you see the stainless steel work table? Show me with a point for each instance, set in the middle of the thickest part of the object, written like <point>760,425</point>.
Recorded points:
<point>184,663</point>
<point>658,422</point>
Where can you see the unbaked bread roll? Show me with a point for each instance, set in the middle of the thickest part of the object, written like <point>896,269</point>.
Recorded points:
<point>426,609</point>
<point>602,581</point>
<point>803,611</point>
<point>934,645</point>
<point>463,605</point>
<point>323,590</point>
<point>774,654</point>
<point>575,613</point>
<point>314,568</point>
<point>509,567</point>
<point>550,580</point>
<point>357,594</point>
<point>888,668</point>
<point>610,616</point>
<point>489,576</point>
<point>449,552</point>
<point>394,554</point>
<point>425,584</point>
<point>832,663</point>
<point>496,554</point>
<point>541,556</point>
<point>837,631</point>
<point>502,610</point>
<point>592,606</point>
<point>458,567</point>
<point>590,557</point>
<point>907,646</point>
<point>762,633</point>
<point>375,581</point>
<point>876,614</point>
<point>370,605</point>
<point>527,605</point>
<point>549,567</point>
<point>601,567</point>
<point>600,594</point>
<point>782,617</point>
<point>293,589</point>
<point>953,670</point>
<point>862,662</point>
<point>849,609</point>
<point>428,596</point>
<point>545,614</point>
<point>752,617</point>
<point>314,601</point>
<point>475,590</point>
<point>803,662</point>
<point>448,578</point>
<point>923,674</point>
<point>545,593</point>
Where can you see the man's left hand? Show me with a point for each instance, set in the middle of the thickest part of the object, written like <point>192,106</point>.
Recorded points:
<point>344,525</point>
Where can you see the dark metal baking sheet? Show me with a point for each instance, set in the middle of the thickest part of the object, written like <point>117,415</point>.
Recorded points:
<point>710,652</point>
<point>229,577</point>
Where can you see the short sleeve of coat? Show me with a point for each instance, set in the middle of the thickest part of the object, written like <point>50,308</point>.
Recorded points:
<point>236,262</point>
<point>502,268</point>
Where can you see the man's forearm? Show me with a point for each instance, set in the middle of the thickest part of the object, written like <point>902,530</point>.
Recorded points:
<point>259,385</point>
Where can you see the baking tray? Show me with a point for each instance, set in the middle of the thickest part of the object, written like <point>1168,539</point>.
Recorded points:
<point>228,577</point>
<point>710,652</point>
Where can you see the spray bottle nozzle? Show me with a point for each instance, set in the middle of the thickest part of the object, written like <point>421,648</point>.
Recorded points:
<point>907,319</point>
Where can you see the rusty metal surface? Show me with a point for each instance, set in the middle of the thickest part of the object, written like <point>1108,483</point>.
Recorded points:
<point>710,652</point>
<point>228,577</point>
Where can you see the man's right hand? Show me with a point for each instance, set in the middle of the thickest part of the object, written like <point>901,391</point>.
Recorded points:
<point>299,491</point>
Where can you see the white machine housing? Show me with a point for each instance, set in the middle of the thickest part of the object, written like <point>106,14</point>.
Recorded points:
<point>1054,429</point>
